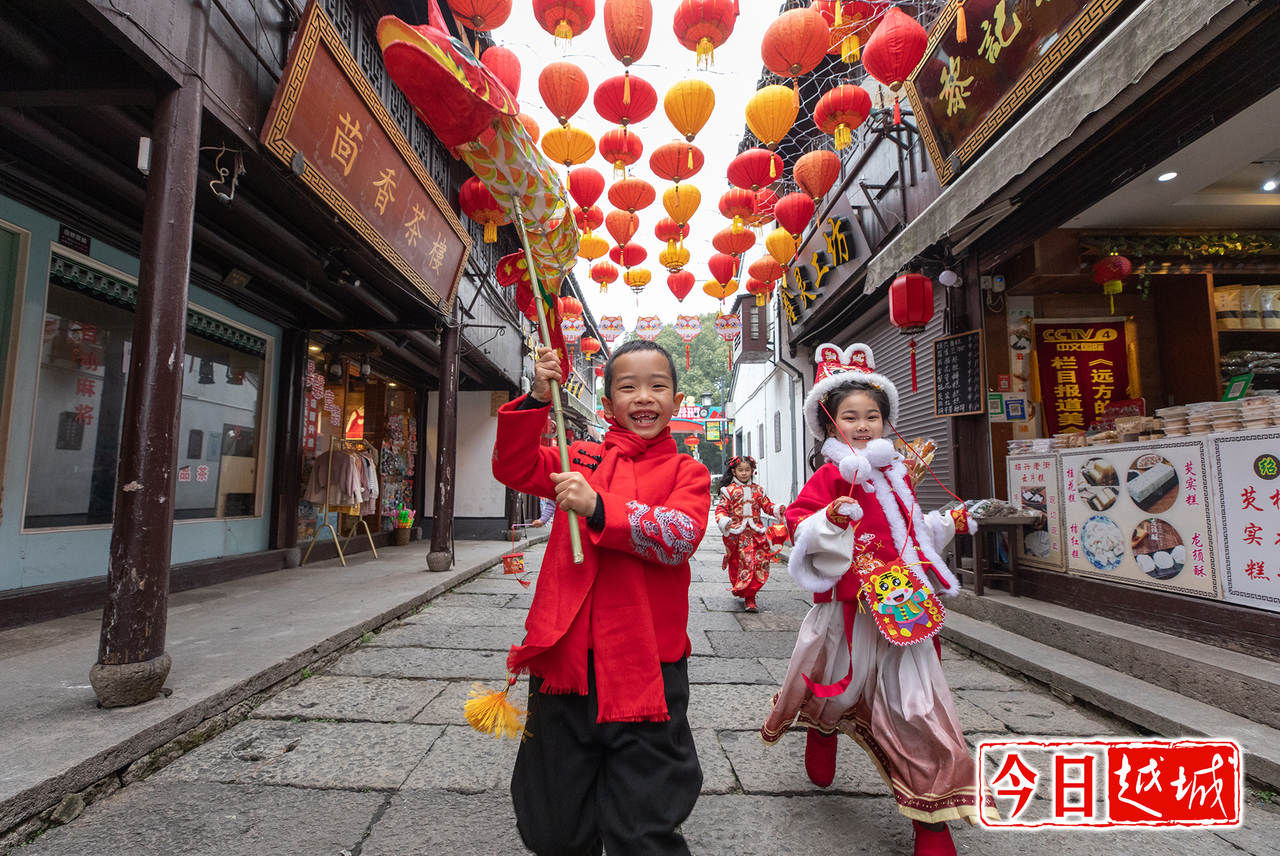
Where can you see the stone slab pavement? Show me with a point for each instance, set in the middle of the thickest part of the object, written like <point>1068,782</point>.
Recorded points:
<point>373,757</point>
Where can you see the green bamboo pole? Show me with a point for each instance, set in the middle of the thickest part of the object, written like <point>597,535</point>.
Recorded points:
<point>557,407</point>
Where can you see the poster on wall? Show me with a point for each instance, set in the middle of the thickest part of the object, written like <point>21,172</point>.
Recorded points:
<point>1083,366</point>
<point>1139,514</point>
<point>1247,501</point>
<point>1033,484</point>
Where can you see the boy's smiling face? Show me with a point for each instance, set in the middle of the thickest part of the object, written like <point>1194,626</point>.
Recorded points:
<point>643,397</point>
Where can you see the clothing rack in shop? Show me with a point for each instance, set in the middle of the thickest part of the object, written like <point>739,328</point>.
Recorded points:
<point>339,445</point>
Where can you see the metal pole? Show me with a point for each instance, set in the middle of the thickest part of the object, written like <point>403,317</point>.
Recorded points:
<point>557,407</point>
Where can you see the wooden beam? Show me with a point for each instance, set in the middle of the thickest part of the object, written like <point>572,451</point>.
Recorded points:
<point>88,97</point>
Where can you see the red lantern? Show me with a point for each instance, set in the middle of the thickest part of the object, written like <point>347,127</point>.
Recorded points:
<point>733,243</point>
<point>670,231</point>
<point>564,89</point>
<point>754,169</point>
<point>762,208</point>
<point>704,25</point>
<point>589,219</point>
<point>761,290</point>
<point>629,255</point>
<point>851,22</point>
<point>738,205</point>
<point>585,185</point>
<point>621,148</point>
<point>676,161</point>
<point>680,283</point>
<point>505,66</point>
<point>632,194</point>
<point>816,172</point>
<point>603,273</point>
<point>590,346</point>
<point>840,111</point>
<point>599,371</point>
<point>626,28</point>
<point>625,99</point>
<point>795,42</point>
<point>564,19</point>
<point>481,14</point>
<point>622,225</point>
<point>478,203</point>
<point>766,269</point>
<point>723,267</point>
<point>911,309</point>
<point>530,126</point>
<point>1110,273</point>
<point>794,211</point>
<point>893,52</point>
<point>568,307</point>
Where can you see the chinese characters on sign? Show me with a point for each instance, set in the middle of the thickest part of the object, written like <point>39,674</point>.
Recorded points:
<point>801,284</point>
<point>1247,502</point>
<point>1033,484</point>
<point>359,163</point>
<point>1083,367</point>
<point>958,388</point>
<point>1113,783</point>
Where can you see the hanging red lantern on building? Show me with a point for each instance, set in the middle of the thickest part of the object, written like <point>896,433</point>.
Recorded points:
<point>754,169</point>
<point>568,305</point>
<point>564,89</point>
<point>481,14</point>
<point>841,111</point>
<point>627,24</point>
<point>564,19</point>
<point>794,43</point>
<point>622,225</point>
<point>893,52</point>
<point>629,255</point>
<point>478,203</point>
<point>585,185</point>
<point>680,284</point>
<point>625,99</point>
<point>632,194</point>
<point>733,243</point>
<point>676,161</point>
<point>1110,273</point>
<point>704,25</point>
<point>723,267</point>
<point>738,205</point>
<point>505,66</point>
<point>851,22</point>
<point>911,309</point>
<point>761,290</point>
<point>621,148</point>
<point>599,370</point>
<point>588,219</point>
<point>766,269</point>
<point>816,172</point>
<point>590,346</point>
<point>670,231</point>
<point>794,212</point>
<point>603,273</point>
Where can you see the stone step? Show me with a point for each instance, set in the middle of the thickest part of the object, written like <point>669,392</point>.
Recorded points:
<point>1149,706</point>
<point>1241,683</point>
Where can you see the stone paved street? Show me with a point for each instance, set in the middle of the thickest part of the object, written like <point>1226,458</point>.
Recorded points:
<point>373,757</point>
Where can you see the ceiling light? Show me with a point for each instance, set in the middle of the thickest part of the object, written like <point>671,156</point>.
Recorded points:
<point>1271,184</point>
<point>1166,176</point>
<point>949,279</point>
<point>315,349</point>
<point>391,383</point>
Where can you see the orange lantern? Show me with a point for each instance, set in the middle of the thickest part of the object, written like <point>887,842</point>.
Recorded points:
<point>505,66</point>
<point>781,245</point>
<point>622,225</point>
<point>795,43</point>
<point>840,111</point>
<point>632,194</point>
<point>603,273</point>
<point>590,346</point>
<point>770,114</point>
<point>668,230</point>
<point>816,172</point>
<point>636,279</point>
<point>754,169</point>
<point>704,25</point>
<point>733,243</point>
<point>478,203</point>
<point>592,247</point>
<point>851,22</point>
<point>680,283</point>
<point>530,127</point>
<point>681,202</point>
<point>720,290</point>
<point>676,161</point>
<point>628,255</point>
<point>688,105</point>
<point>564,19</point>
<point>893,52</point>
<point>625,99</point>
<point>588,219</point>
<point>568,146</point>
<point>911,310</point>
<point>564,88</point>
<point>738,205</point>
<point>761,290</point>
<point>766,269</point>
<point>621,148</point>
<point>794,211</point>
<point>626,28</point>
<point>481,14</point>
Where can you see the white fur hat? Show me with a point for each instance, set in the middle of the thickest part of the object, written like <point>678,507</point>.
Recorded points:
<point>837,366</point>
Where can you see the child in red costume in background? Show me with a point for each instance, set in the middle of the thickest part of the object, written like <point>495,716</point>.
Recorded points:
<point>609,758</point>
<point>740,513</point>
<point>867,660</point>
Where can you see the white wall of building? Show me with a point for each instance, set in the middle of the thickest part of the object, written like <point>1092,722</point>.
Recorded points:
<point>477,492</point>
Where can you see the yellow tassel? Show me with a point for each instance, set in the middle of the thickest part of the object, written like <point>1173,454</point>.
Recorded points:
<point>795,93</point>
<point>839,12</point>
<point>604,288</point>
<point>671,245</point>
<point>492,713</point>
<point>773,167</point>
<point>619,170</point>
<point>490,232</point>
<point>851,49</point>
<point>705,53</point>
<point>737,225</point>
<point>962,31</point>
<point>760,299</point>
<point>843,137</point>
<point>690,158</point>
<point>564,31</point>
<point>626,88</point>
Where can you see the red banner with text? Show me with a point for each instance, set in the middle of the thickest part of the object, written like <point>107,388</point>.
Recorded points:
<point>1083,367</point>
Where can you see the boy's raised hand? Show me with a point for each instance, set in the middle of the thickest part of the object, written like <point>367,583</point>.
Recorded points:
<point>574,494</point>
<point>545,370</point>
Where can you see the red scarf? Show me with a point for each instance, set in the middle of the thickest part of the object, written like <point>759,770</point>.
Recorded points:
<point>576,608</point>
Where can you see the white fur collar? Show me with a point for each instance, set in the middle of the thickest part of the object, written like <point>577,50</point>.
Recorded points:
<point>879,452</point>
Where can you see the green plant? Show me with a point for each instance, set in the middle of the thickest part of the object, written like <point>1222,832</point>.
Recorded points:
<point>307,673</point>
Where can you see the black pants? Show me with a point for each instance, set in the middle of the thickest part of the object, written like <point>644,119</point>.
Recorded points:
<point>579,785</point>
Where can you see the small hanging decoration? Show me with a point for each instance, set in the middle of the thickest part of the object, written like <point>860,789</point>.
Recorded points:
<point>603,273</point>
<point>770,114</point>
<point>564,19</point>
<point>723,267</point>
<point>794,43</point>
<point>493,713</point>
<point>688,105</point>
<point>673,258</point>
<point>627,24</point>
<point>816,172</point>
<point>841,111</point>
<point>781,245</point>
<point>590,347</point>
<point>585,185</point>
<point>572,327</point>
<point>719,290</point>
<point>478,203</point>
<point>794,212</point>
<point>766,269</point>
<point>622,225</point>
<point>621,148</point>
<point>611,327</point>
<point>530,127</point>
<point>680,284</point>
<point>564,89</point>
<point>687,328</point>
<point>911,309</point>
<point>1110,273</point>
<point>505,66</point>
<point>671,232</point>
<point>728,327</point>
<point>589,219</point>
<point>592,247</point>
<point>481,14</point>
<point>704,25</point>
<point>851,22</point>
<point>893,52</point>
<point>636,279</point>
<point>648,327</point>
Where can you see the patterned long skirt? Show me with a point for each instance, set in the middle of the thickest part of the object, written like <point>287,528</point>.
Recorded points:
<point>746,558</point>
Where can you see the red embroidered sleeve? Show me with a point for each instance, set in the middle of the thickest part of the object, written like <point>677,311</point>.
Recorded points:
<point>667,534</point>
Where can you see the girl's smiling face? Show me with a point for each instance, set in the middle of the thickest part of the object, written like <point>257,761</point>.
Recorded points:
<point>642,397</point>
<point>743,471</point>
<point>859,419</point>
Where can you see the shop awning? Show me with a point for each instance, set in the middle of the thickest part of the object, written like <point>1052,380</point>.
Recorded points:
<point>1157,28</point>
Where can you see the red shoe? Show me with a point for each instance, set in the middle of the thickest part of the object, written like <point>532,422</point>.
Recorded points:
<point>820,757</point>
<point>751,604</point>
<point>933,843</point>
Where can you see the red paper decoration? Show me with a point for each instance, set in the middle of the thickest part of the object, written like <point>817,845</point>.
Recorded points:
<point>754,169</point>
<point>585,185</point>
<point>738,205</point>
<point>632,194</point>
<point>564,19</point>
<point>704,25</point>
<point>505,65</point>
<point>911,309</point>
<point>766,269</point>
<point>481,14</point>
<point>842,110</point>
<point>478,203</point>
<point>893,52</point>
<point>680,283</point>
<point>625,99</point>
<point>622,225</point>
<point>676,161</point>
<point>603,273</point>
<point>588,219</point>
<point>629,255</point>
<point>1110,273</point>
<point>761,290</point>
<point>564,89</point>
<point>669,231</point>
<point>621,148</point>
<point>733,243</point>
<point>627,24</point>
<point>723,267</point>
<point>816,172</point>
<point>795,42</point>
<point>794,211</point>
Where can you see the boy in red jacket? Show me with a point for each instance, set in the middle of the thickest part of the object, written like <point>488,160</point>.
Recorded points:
<point>609,759</point>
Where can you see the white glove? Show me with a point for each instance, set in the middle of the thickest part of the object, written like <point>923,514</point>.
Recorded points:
<point>854,468</point>
<point>852,510</point>
<point>880,453</point>
<point>723,523</point>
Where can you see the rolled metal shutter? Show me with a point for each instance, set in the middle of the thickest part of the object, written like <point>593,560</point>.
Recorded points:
<point>915,418</point>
